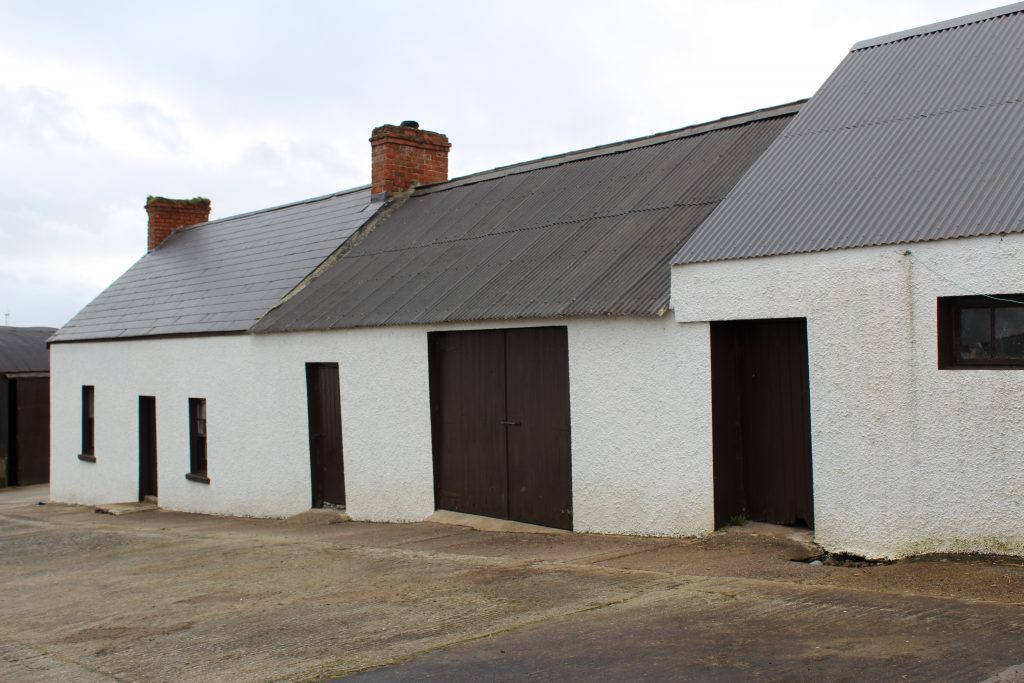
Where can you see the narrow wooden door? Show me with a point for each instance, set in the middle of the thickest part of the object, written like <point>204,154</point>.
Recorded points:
<point>327,468</point>
<point>32,431</point>
<point>467,389</point>
<point>539,460</point>
<point>147,447</point>
<point>761,421</point>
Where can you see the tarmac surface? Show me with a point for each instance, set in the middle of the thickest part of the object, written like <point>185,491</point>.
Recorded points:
<point>163,596</point>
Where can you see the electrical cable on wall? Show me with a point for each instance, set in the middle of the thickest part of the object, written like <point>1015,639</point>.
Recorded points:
<point>957,284</point>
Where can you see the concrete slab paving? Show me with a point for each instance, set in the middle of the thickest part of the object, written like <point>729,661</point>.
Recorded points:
<point>165,596</point>
<point>740,630</point>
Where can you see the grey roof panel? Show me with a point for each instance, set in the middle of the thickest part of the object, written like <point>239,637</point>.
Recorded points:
<point>222,276</point>
<point>23,349</point>
<point>585,234</point>
<point>917,136</point>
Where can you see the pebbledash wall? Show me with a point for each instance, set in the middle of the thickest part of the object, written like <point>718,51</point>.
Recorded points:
<point>907,458</point>
<point>639,392</point>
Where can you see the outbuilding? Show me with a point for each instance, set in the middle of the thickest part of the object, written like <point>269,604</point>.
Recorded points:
<point>497,344</point>
<point>24,406</point>
<point>863,287</point>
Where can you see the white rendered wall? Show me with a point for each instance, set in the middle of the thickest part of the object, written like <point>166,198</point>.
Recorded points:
<point>641,427</point>
<point>907,458</point>
<point>258,449</point>
<point>640,411</point>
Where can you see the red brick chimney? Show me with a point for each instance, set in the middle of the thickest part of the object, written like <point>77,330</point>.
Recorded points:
<point>404,156</point>
<point>167,215</point>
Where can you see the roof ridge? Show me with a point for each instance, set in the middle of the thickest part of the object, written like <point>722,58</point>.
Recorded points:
<point>615,147</point>
<point>300,202</point>
<point>946,25</point>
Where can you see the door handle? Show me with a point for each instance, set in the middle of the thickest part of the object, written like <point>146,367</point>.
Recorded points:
<point>511,424</point>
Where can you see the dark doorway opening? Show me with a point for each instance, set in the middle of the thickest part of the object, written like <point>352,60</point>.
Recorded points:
<point>500,424</point>
<point>323,397</point>
<point>761,422</point>
<point>25,430</point>
<point>147,447</point>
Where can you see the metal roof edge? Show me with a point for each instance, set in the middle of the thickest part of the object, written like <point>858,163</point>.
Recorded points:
<point>821,250</point>
<point>140,337</point>
<point>26,374</point>
<point>939,26</point>
<point>474,322</point>
<point>615,147</point>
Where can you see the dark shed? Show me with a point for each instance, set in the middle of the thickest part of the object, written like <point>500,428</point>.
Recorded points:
<point>24,405</point>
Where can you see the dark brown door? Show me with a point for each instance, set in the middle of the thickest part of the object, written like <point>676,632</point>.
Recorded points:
<point>32,431</point>
<point>323,394</point>
<point>7,419</point>
<point>539,461</point>
<point>761,421</point>
<point>500,421</point>
<point>467,389</point>
<point>147,446</point>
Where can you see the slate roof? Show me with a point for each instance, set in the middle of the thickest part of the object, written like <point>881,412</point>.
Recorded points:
<point>222,276</point>
<point>589,233</point>
<point>23,349</point>
<point>916,136</point>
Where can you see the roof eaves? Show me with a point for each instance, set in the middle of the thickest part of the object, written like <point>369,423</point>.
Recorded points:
<point>939,26</point>
<point>614,147</point>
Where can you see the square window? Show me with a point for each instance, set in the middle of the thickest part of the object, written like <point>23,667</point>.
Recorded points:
<point>981,331</point>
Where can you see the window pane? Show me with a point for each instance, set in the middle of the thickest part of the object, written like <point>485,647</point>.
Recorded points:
<point>975,333</point>
<point>1010,332</point>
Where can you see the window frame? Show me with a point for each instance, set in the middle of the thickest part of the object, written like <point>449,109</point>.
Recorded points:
<point>948,328</point>
<point>197,433</point>
<point>88,452</point>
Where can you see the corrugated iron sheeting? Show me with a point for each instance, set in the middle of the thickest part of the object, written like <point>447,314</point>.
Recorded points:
<point>222,276</point>
<point>588,237</point>
<point>915,140</point>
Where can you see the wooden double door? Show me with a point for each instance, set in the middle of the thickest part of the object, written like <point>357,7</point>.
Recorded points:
<point>500,422</point>
<point>761,421</point>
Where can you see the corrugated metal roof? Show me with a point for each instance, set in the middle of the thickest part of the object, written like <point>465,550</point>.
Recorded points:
<point>23,349</point>
<point>584,234</point>
<point>222,276</point>
<point>916,136</point>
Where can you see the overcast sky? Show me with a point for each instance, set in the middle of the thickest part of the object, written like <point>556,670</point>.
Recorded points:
<point>255,104</point>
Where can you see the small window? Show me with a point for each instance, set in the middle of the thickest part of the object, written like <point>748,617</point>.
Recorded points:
<point>197,440</point>
<point>88,424</point>
<point>981,331</point>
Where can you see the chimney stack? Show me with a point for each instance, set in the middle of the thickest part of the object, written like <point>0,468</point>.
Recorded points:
<point>167,215</point>
<point>405,155</point>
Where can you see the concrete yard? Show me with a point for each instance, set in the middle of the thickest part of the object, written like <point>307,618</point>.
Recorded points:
<point>163,596</point>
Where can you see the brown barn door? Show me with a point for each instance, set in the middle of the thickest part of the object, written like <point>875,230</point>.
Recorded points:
<point>147,446</point>
<point>327,469</point>
<point>761,422</point>
<point>500,422</point>
<point>467,390</point>
<point>32,431</point>
<point>539,462</point>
